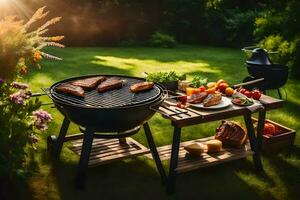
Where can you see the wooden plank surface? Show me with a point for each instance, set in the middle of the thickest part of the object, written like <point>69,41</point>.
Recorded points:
<point>191,116</point>
<point>108,150</point>
<point>187,162</point>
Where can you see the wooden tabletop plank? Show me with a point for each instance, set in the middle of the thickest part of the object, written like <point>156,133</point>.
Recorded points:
<point>193,116</point>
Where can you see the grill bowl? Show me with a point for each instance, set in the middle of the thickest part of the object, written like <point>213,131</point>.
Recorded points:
<point>275,75</point>
<point>108,119</point>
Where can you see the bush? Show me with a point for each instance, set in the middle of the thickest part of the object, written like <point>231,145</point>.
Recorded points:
<point>21,118</point>
<point>162,40</point>
<point>278,30</point>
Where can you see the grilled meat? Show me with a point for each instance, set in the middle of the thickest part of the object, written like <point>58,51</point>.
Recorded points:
<point>143,86</point>
<point>89,83</point>
<point>68,88</point>
<point>198,98</point>
<point>231,133</point>
<point>109,85</point>
<point>212,99</point>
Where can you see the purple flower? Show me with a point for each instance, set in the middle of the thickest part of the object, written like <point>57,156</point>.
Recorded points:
<point>18,85</point>
<point>17,98</point>
<point>41,119</point>
<point>20,97</point>
<point>1,81</point>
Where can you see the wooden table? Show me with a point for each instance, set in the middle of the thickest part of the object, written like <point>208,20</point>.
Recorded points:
<point>186,117</point>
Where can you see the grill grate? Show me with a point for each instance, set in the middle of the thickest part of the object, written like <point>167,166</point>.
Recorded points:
<point>109,99</point>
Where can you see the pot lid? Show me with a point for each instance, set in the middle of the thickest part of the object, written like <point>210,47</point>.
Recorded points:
<point>259,57</point>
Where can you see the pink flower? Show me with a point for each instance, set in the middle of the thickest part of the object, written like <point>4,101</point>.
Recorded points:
<point>41,119</point>
<point>20,97</point>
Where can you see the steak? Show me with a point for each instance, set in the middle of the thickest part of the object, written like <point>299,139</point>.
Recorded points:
<point>110,84</point>
<point>89,83</point>
<point>198,98</point>
<point>68,88</point>
<point>143,86</point>
<point>212,99</point>
<point>231,133</point>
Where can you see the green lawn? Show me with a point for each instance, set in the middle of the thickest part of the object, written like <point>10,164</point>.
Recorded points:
<point>137,178</point>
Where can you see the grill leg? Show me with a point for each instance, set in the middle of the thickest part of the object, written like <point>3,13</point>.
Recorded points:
<point>174,160</point>
<point>55,145</point>
<point>154,152</point>
<point>253,141</point>
<point>84,157</point>
<point>279,93</point>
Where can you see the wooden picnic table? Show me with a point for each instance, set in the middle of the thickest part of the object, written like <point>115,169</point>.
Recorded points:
<point>180,118</point>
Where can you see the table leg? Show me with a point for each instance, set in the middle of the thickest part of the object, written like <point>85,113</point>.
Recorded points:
<point>84,157</point>
<point>174,160</point>
<point>260,128</point>
<point>253,141</point>
<point>154,152</point>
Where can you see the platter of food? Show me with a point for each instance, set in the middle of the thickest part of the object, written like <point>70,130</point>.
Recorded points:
<point>225,102</point>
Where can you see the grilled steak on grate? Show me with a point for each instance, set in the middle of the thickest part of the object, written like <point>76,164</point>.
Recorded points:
<point>109,85</point>
<point>89,83</point>
<point>68,88</point>
<point>143,86</point>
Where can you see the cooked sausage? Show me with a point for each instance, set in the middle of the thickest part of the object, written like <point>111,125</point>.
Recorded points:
<point>143,86</point>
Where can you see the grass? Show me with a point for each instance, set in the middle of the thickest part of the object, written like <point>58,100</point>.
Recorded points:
<point>137,178</point>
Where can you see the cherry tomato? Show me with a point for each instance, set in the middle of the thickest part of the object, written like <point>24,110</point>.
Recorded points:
<point>256,94</point>
<point>222,87</point>
<point>248,94</point>
<point>202,88</point>
<point>220,81</point>
<point>183,99</point>
<point>242,90</point>
<point>179,105</point>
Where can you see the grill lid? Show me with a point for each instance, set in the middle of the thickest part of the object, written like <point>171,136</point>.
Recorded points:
<point>110,99</point>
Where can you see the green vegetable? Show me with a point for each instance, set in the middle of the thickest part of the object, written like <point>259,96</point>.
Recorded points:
<point>162,77</point>
<point>198,81</point>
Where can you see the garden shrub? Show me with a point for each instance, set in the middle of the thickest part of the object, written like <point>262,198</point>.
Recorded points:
<point>159,39</point>
<point>278,30</point>
<point>21,118</point>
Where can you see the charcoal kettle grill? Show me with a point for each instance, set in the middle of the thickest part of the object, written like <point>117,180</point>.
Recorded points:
<point>113,114</point>
<point>259,65</point>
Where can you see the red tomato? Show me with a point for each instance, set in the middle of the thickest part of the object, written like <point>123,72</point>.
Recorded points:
<point>179,105</point>
<point>269,129</point>
<point>183,99</point>
<point>242,90</point>
<point>248,94</point>
<point>256,94</point>
<point>222,87</point>
<point>202,88</point>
